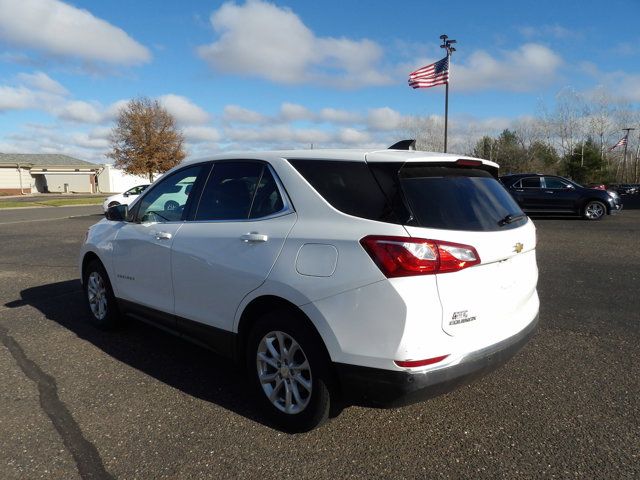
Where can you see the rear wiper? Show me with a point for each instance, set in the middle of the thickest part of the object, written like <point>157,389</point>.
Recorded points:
<point>510,219</point>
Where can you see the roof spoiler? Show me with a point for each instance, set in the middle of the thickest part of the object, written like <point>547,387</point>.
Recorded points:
<point>404,145</point>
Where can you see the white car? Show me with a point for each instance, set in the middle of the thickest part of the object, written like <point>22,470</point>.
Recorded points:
<point>125,198</point>
<point>377,277</point>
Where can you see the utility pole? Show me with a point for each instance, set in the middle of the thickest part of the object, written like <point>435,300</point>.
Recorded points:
<point>624,158</point>
<point>446,44</point>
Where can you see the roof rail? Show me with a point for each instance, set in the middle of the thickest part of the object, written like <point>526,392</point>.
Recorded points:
<point>404,145</point>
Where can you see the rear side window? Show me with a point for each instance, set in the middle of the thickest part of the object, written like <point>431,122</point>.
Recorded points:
<point>238,191</point>
<point>348,186</point>
<point>457,198</point>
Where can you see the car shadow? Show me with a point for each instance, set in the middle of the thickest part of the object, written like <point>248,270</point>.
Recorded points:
<point>189,368</point>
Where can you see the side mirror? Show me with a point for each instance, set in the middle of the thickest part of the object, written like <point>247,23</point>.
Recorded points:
<point>125,194</point>
<point>117,213</point>
<point>570,187</point>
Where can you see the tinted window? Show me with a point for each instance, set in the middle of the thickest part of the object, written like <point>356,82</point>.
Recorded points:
<point>348,186</point>
<point>167,200</point>
<point>457,198</point>
<point>530,182</point>
<point>555,183</point>
<point>229,191</point>
<point>267,200</point>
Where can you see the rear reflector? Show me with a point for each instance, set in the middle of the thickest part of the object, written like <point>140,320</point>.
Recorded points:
<point>419,363</point>
<point>408,256</point>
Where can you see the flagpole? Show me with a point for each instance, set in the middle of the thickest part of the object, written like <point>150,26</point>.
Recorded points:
<point>624,157</point>
<point>446,114</point>
<point>446,44</point>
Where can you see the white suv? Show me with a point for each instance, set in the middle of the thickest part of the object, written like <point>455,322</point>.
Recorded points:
<point>379,277</point>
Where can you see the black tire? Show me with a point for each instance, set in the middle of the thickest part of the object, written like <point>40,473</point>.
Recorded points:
<point>317,410</point>
<point>95,271</point>
<point>594,210</point>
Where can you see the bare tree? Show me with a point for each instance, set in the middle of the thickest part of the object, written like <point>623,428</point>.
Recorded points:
<point>568,119</point>
<point>145,139</point>
<point>427,131</point>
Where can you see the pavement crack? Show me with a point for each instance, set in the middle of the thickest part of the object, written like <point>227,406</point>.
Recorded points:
<point>84,453</point>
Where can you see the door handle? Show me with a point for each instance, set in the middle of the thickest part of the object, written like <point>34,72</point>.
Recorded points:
<point>549,191</point>
<point>254,237</point>
<point>163,236</point>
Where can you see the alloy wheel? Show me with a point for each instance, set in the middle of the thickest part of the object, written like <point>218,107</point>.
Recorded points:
<point>97,295</point>
<point>594,211</point>
<point>284,372</point>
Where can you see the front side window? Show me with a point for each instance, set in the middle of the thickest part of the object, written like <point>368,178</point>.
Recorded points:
<point>239,191</point>
<point>531,182</point>
<point>166,202</point>
<point>136,190</point>
<point>554,183</point>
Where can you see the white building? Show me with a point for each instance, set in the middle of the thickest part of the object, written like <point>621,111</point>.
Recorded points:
<point>114,180</point>
<point>23,173</point>
<point>30,173</point>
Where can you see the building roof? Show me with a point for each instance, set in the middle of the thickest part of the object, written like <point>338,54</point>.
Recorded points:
<point>44,160</point>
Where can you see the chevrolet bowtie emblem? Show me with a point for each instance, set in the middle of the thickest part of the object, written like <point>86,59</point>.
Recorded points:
<point>518,247</point>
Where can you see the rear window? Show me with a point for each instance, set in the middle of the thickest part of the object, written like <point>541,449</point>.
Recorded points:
<point>457,198</point>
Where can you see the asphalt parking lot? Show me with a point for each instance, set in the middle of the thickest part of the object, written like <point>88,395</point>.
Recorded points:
<point>139,403</point>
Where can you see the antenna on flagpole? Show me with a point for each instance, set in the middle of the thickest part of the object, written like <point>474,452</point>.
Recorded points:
<point>446,44</point>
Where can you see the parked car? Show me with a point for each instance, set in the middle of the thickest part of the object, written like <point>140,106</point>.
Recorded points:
<point>624,188</point>
<point>549,194</point>
<point>125,198</point>
<point>380,278</point>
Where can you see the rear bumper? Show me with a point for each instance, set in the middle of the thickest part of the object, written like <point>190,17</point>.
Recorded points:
<point>387,388</point>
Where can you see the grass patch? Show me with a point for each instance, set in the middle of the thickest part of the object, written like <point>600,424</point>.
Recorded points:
<point>58,202</point>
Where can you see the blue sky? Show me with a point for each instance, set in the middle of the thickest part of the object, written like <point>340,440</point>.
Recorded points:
<point>251,75</point>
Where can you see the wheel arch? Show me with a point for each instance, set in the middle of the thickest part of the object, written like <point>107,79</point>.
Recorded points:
<point>261,305</point>
<point>86,259</point>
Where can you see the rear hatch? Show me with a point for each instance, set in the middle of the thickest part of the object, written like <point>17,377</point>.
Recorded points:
<point>463,203</point>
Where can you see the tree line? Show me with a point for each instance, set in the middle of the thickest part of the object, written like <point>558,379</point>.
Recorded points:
<point>573,139</point>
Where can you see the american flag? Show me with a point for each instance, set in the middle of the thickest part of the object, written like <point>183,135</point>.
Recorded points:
<point>434,74</point>
<point>621,143</point>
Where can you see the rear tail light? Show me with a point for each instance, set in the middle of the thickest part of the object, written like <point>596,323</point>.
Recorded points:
<point>408,256</point>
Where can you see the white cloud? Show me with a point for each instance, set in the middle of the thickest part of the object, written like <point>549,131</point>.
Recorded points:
<point>263,40</point>
<point>197,134</point>
<point>334,115</point>
<point>23,98</point>
<point>384,118</point>
<point>42,81</point>
<point>527,68</point>
<point>237,114</point>
<point>81,112</point>
<point>555,31</point>
<point>59,29</point>
<point>291,112</point>
<point>16,98</point>
<point>351,136</point>
<point>184,110</point>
